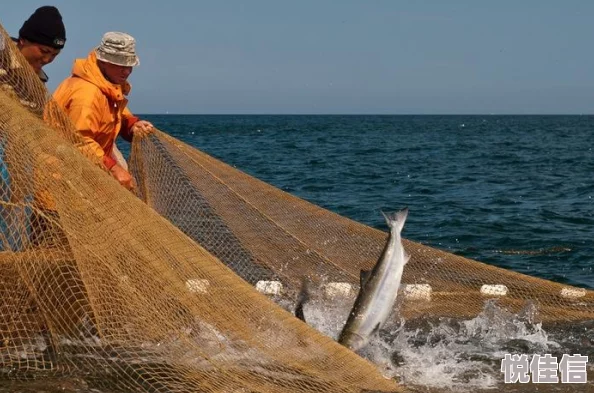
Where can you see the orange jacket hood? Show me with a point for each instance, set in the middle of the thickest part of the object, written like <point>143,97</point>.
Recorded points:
<point>88,70</point>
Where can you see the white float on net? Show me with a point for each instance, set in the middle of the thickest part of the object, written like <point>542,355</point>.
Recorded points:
<point>573,293</point>
<point>197,285</point>
<point>494,289</point>
<point>417,291</point>
<point>269,287</point>
<point>333,289</point>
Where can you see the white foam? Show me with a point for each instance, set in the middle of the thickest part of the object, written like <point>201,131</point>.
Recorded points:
<point>573,292</point>
<point>197,285</point>
<point>417,291</point>
<point>445,354</point>
<point>496,290</point>
<point>269,287</point>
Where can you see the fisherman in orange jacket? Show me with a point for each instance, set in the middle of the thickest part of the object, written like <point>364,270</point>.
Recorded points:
<point>94,97</point>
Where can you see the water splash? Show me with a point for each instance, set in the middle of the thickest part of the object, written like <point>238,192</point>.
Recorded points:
<point>461,355</point>
<point>445,353</point>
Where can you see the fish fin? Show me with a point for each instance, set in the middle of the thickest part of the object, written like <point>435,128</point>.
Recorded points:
<point>375,330</point>
<point>299,312</point>
<point>386,217</point>
<point>364,275</point>
<point>302,298</point>
<point>396,220</point>
<point>406,257</point>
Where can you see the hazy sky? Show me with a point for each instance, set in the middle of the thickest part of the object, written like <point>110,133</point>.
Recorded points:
<point>393,57</point>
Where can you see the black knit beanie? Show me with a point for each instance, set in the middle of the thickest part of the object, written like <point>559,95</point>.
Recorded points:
<point>45,27</point>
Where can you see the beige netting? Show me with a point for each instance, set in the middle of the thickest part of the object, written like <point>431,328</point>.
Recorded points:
<point>157,293</point>
<point>96,284</point>
<point>263,233</point>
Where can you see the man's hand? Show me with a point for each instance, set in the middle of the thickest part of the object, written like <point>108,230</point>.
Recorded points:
<point>142,128</point>
<point>123,176</point>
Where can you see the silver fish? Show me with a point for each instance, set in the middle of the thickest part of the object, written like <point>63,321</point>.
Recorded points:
<point>379,288</point>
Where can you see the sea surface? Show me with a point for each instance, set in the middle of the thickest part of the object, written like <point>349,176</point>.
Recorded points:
<point>511,191</point>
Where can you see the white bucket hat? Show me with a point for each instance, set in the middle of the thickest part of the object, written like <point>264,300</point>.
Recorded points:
<point>118,48</point>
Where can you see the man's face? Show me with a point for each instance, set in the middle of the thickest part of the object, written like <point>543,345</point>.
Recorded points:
<point>37,55</point>
<point>116,74</point>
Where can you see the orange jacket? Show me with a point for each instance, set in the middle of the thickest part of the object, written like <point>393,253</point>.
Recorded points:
<point>97,107</point>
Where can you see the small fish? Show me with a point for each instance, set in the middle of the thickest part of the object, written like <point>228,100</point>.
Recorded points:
<point>302,298</point>
<point>379,288</point>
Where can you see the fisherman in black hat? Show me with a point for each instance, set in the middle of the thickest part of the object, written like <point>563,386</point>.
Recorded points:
<point>41,38</point>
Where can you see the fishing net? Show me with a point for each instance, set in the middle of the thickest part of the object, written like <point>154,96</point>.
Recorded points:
<point>269,236</point>
<point>96,284</point>
<point>161,289</point>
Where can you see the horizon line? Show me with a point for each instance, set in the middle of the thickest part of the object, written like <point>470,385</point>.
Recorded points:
<point>363,114</point>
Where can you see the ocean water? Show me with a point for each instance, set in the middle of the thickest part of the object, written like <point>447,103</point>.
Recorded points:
<point>511,191</point>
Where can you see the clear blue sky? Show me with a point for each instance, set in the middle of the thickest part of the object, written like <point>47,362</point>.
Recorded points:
<point>343,56</point>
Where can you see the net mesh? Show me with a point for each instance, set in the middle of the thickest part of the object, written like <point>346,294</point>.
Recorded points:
<point>95,283</point>
<point>157,291</point>
<point>264,233</point>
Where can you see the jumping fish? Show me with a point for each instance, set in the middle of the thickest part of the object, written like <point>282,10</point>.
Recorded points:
<point>379,288</point>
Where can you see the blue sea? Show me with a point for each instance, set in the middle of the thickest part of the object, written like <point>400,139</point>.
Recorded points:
<point>511,191</point>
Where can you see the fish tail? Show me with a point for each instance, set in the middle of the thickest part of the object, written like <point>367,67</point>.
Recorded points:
<point>396,219</point>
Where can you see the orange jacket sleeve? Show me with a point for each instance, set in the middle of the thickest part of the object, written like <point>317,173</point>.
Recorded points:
<point>86,122</point>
